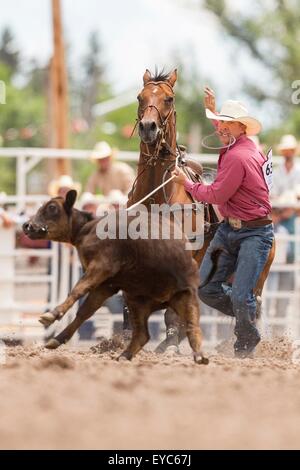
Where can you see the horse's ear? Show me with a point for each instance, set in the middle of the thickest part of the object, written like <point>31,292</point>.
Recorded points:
<point>146,77</point>
<point>172,77</point>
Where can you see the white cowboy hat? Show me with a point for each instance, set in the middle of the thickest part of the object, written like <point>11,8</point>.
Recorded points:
<point>236,111</point>
<point>101,150</point>
<point>88,198</point>
<point>115,196</point>
<point>64,181</point>
<point>287,142</point>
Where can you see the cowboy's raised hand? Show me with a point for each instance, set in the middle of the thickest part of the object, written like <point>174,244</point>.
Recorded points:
<point>209,99</point>
<point>180,176</point>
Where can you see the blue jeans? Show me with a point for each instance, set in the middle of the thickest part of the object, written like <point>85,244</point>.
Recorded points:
<point>244,253</point>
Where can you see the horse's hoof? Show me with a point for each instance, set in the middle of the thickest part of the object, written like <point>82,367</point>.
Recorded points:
<point>161,348</point>
<point>172,351</point>
<point>199,359</point>
<point>47,319</point>
<point>52,344</point>
<point>124,358</point>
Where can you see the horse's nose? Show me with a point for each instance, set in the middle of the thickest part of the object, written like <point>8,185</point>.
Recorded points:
<point>148,126</point>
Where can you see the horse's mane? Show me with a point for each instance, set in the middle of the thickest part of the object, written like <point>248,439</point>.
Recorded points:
<point>160,76</point>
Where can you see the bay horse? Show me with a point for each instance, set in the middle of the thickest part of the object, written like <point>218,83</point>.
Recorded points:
<point>156,123</point>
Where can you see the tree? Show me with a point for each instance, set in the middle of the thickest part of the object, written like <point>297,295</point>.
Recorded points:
<point>37,78</point>
<point>22,121</point>
<point>9,55</point>
<point>270,32</point>
<point>93,79</point>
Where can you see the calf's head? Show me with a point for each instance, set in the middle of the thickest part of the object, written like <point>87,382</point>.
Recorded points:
<point>53,221</point>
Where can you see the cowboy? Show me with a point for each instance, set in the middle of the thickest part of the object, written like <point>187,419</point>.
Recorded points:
<point>109,174</point>
<point>244,239</point>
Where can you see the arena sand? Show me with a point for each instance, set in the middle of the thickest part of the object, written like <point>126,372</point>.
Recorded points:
<point>84,399</point>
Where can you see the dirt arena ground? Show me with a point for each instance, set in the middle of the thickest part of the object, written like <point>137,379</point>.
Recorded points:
<point>84,399</point>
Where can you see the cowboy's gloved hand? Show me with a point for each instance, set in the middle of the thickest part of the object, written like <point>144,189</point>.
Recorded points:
<point>180,176</point>
<point>209,99</point>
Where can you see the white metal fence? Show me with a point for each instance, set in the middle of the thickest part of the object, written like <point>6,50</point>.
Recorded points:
<point>25,293</point>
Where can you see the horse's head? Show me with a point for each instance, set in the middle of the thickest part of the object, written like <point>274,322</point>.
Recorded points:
<point>156,105</point>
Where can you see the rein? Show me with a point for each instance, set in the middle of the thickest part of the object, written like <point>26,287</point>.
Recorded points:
<point>154,157</point>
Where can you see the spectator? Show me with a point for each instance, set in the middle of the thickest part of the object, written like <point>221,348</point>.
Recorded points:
<point>89,203</point>
<point>62,185</point>
<point>5,219</point>
<point>287,203</point>
<point>8,219</point>
<point>109,174</point>
<point>278,280</point>
<point>287,175</point>
<point>116,199</point>
<point>284,208</point>
<point>286,178</point>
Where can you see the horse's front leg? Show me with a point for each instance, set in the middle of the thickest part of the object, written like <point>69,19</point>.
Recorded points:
<point>139,314</point>
<point>175,333</point>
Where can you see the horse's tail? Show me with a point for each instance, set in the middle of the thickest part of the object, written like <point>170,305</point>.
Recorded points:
<point>214,256</point>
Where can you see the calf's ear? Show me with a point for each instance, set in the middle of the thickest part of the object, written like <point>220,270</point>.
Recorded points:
<point>70,200</point>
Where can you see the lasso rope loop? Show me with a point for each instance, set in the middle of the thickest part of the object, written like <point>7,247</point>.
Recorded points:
<point>221,146</point>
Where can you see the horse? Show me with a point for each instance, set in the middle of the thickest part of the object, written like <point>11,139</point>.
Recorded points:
<point>159,153</point>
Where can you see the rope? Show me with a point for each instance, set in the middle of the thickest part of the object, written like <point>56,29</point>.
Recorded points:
<point>219,147</point>
<point>154,190</point>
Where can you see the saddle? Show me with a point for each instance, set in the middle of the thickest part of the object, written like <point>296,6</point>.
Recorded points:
<point>188,164</point>
<point>195,172</point>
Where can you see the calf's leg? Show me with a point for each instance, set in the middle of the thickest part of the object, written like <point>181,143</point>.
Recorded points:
<point>186,305</point>
<point>94,301</point>
<point>89,281</point>
<point>139,314</point>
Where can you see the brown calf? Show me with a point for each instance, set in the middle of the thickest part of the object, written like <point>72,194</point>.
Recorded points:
<point>153,274</point>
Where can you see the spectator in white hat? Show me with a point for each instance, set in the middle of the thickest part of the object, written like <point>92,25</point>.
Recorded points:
<point>61,185</point>
<point>286,176</point>
<point>109,174</point>
<point>89,202</point>
<point>116,199</point>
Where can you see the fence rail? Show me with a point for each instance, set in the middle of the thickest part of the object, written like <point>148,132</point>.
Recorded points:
<point>61,269</point>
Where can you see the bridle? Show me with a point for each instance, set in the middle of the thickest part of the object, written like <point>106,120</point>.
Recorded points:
<point>154,157</point>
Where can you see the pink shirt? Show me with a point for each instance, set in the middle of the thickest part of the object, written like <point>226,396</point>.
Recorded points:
<point>239,189</point>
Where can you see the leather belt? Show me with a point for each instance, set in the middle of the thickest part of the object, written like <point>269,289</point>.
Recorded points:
<point>237,224</point>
